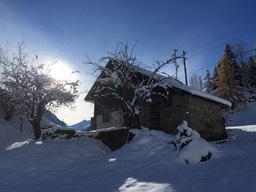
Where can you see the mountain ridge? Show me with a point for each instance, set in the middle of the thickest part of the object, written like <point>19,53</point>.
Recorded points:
<point>82,125</point>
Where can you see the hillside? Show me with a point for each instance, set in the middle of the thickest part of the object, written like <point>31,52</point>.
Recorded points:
<point>49,117</point>
<point>81,126</point>
<point>148,163</point>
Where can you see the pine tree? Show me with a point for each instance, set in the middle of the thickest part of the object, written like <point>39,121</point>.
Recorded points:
<point>229,54</point>
<point>228,85</point>
<point>250,73</point>
<point>254,53</point>
<point>242,53</point>
<point>208,85</point>
<point>215,77</point>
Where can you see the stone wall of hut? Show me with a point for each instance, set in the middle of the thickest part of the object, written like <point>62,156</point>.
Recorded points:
<point>206,118</point>
<point>166,114</point>
<point>202,115</point>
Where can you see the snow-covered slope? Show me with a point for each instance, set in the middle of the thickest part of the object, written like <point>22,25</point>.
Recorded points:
<point>148,163</point>
<point>49,117</point>
<point>246,117</point>
<point>81,126</point>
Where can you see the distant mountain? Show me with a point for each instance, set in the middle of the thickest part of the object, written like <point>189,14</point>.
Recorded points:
<point>81,126</point>
<point>49,117</point>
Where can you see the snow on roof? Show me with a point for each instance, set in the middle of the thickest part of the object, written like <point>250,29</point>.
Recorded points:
<point>179,85</point>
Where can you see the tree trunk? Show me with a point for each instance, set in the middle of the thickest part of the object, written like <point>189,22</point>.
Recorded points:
<point>130,118</point>
<point>36,120</point>
<point>136,121</point>
<point>21,124</point>
<point>36,127</point>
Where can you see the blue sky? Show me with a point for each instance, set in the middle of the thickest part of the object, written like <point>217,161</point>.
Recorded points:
<point>67,30</point>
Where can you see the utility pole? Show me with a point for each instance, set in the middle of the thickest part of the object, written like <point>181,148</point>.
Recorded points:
<point>174,57</point>
<point>185,67</point>
<point>183,57</point>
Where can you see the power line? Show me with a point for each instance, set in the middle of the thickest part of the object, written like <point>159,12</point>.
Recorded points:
<point>204,46</point>
<point>201,68</point>
<point>249,50</point>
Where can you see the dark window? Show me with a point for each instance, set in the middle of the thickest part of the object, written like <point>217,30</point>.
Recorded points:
<point>106,117</point>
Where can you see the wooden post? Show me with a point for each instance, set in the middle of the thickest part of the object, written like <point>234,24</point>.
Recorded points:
<point>21,123</point>
<point>185,68</point>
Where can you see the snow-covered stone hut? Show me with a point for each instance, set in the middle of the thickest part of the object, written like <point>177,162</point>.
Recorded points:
<point>202,111</point>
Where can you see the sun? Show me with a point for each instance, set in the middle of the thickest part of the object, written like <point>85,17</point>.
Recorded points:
<point>60,71</point>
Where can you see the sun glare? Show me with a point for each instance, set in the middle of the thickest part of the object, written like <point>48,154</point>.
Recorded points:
<point>61,71</point>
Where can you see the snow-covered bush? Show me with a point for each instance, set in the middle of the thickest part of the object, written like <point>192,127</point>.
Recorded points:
<point>192,148</point>
<point>185,135</point>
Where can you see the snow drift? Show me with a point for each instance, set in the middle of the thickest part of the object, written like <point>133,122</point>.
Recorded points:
<point>148,163</point>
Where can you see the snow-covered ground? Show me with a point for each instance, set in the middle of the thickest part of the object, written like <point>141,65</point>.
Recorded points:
<point>148,163</point>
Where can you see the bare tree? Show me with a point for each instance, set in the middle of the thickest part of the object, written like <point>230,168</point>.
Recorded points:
<point>32,89</point>
<point>125,80</point>
<point>196,82</point>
